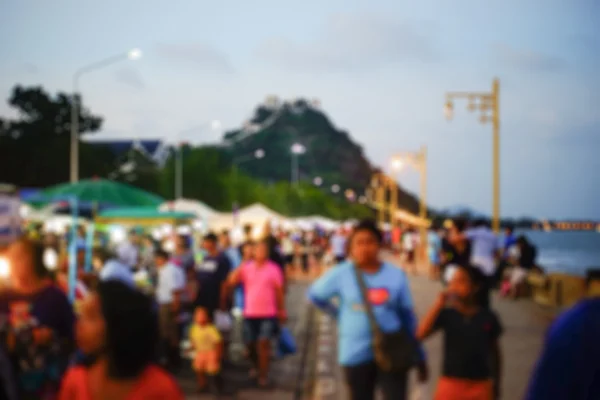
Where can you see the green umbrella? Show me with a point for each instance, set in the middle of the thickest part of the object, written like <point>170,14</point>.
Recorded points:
<point>101,192</point>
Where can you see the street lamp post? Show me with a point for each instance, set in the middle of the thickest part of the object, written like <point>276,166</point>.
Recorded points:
<point>417,160</point>
<point>179,171</point>
<point>297,149</point>
<point>256,155</point>
<point>488,103</point>
<point>131,55</point>
<point>377,194</point>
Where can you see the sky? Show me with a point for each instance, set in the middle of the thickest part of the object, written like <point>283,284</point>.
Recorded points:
<point>379,68</point>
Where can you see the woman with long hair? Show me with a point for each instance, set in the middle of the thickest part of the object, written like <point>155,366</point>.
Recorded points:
<point>118,331</point>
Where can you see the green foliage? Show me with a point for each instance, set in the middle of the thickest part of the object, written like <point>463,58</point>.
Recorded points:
<point>34,148</point>
<point>331,154</point>
<point>209,176</point>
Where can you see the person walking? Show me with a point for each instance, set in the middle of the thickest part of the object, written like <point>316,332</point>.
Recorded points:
<point>484,251</point>
<point>338,245</point>
<point>471,352</point>
<point>211,274</point>
<point>169,289</point>
<point>374,307</point>
<point>264,307</point>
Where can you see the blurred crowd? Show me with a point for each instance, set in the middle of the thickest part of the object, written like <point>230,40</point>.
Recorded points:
<point>142,310</point>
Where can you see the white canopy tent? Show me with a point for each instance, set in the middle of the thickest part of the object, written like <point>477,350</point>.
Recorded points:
<point>307,223</point>
<point>199,209</point>
<point>256,215</point>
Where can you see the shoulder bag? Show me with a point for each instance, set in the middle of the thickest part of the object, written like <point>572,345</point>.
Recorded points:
<point>395,351</point>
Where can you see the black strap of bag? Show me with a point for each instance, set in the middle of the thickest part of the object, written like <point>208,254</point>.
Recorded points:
<point>375,329</point>
<point>394,352</point>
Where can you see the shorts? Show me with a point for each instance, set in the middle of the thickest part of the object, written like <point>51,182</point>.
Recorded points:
<point>463,389</point>
<point>339,259</point>
<point>256,329</point>
<point>207,361</point>
<point>289,259</point>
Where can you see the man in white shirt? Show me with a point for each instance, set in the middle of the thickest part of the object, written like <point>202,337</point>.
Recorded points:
<point>169,287</point>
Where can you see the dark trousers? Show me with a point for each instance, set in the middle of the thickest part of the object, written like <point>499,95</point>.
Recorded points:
<point>485,292</point>
<point>363,379</point>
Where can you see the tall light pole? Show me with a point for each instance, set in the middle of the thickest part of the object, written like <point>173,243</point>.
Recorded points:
<point>297,149</point>
<point>417,160</point>
<point>179,171</point>
<point>130,55</point>
<point>377,195</point>
<point>489,106</point>
<point>256,155</point>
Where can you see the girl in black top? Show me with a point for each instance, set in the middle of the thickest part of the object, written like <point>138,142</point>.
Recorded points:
<point>471,362</point>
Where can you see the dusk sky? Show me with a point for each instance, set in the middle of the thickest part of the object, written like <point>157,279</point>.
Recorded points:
<point>380,69</point>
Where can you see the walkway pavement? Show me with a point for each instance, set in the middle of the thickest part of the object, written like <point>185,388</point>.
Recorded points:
<point>285,373</point>
<point>524,324</point>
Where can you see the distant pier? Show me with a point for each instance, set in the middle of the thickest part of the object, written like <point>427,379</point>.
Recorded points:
<point>567,226</point>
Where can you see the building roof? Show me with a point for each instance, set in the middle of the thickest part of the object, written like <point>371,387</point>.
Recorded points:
<point>154,149</point>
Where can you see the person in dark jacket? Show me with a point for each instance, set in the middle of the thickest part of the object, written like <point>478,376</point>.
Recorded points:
<point>569,366</point>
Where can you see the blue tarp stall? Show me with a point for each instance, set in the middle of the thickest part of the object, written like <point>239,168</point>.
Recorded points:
<point>10,219</point>
<point>73,204</point>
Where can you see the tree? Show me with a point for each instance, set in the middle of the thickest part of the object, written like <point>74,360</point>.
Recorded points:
<point>34,148</point>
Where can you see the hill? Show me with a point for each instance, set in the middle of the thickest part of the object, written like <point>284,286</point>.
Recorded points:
<point>331,154</point>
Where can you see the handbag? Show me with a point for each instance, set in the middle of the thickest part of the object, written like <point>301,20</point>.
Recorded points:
<point>286,344</point>
<point>395,351</point>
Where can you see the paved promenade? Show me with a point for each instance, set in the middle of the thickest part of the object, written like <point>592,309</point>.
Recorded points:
<point>284,373</point>
<point>524,324</point>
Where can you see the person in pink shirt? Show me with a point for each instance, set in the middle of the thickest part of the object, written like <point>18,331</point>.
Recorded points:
<point>264,306</point>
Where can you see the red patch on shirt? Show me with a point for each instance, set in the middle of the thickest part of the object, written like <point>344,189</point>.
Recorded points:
<point>379,296</point>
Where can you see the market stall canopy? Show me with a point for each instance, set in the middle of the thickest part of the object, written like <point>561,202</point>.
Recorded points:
<point>100,191</point>
<point>313,221</point>
<point>256,215</point>
<point>199,209</point>
<point>143,216</point>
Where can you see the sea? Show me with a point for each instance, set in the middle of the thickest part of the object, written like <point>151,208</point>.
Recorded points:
<point>565,251</point>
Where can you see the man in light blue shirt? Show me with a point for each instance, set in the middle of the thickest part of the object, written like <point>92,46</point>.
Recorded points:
<point>387,292</point>
<point>235,259</point>
<point>109,268</point>
<point>338,246</point>
<point>484,248</point>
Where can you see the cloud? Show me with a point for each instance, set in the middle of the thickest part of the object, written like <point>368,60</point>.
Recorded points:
<point>130,77</point>
<point>349,41</point>
<point>528,60</point>
<point>198,54</point>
